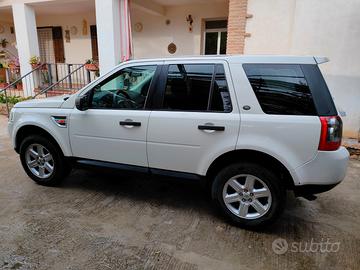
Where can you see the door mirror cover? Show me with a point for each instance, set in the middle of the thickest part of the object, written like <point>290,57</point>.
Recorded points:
<point>82,102</point>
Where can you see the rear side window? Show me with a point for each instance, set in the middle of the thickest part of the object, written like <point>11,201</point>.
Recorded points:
<point>281,88</point>
<point>196,87</point>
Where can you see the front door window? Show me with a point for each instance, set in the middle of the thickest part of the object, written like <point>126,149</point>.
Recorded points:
<point>127,89</point>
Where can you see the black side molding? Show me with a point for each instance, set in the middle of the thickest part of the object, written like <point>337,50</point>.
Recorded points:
<point>89,163</point>
<point>111,165</point>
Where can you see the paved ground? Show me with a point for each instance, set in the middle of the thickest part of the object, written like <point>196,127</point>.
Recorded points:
<point>114,221</point>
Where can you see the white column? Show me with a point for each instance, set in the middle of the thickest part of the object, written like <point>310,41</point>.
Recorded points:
<point>26,40</point>
<point>108,33</point>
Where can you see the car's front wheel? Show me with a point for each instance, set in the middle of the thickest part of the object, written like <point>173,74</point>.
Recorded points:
<point>248,194</point>
<point>43,161</point>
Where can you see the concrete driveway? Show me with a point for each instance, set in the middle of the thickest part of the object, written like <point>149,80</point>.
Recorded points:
<point>116,221</point>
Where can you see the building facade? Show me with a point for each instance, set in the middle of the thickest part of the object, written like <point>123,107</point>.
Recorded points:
<point>63,31</point>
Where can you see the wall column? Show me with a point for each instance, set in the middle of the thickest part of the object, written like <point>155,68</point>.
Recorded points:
<point>236,26</point>
<point>26,40</point>
<point>108,33</point>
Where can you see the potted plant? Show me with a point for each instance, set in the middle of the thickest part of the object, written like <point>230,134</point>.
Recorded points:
<point>92,65</point>
<point>3,83</point>
<point>19,86</point>
<point>4,43</point>
<point>34,61</point>
<point>14,65</point>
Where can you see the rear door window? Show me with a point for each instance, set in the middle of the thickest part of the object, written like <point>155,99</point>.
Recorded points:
<point>281,88</point>
<point>196,87</point>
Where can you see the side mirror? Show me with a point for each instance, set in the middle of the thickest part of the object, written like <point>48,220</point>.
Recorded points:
<point>82,102</point>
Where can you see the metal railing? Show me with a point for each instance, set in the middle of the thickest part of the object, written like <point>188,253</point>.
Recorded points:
<point>77,77</point>
<point>64,79</point>
<point>15,86</point>
<point>46,80</point>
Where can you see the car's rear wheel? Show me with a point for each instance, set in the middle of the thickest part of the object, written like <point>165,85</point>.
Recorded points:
<point>248,194</point>
<point>43,161</point>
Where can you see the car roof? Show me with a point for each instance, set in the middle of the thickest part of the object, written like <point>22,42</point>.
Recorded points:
<point>241,59</point>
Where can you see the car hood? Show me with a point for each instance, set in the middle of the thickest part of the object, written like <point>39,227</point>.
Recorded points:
<point>52,102</point>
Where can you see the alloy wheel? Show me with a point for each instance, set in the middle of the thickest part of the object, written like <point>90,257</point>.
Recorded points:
<point>247,196</point>
<point>39,161</point>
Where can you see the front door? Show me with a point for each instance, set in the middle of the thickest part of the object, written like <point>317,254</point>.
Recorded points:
<point>114,127</point>
<point>46,45</point>
<point>197,119</point>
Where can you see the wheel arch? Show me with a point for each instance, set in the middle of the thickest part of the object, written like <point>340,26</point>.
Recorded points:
<point>28,130</point>
<point>255,156</point>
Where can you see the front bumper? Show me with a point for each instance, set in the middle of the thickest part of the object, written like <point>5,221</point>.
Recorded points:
<point>328,168</point>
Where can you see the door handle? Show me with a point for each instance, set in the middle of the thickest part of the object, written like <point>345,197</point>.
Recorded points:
<point>130,123</point>
<point>211,127</point>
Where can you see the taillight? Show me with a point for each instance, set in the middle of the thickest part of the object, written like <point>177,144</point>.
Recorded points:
<point>331,133</point>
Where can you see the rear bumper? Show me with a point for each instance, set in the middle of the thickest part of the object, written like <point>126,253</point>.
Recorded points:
<point>305,190</point>
<point>328,168</point>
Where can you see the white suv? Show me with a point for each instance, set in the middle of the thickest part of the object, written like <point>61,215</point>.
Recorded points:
<point>251,127</point>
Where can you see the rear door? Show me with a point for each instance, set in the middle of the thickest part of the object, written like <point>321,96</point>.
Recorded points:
<point>195,119</point>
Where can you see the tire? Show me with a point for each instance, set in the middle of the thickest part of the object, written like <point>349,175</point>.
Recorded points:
<point>38,167</point>
<point>248,207</point>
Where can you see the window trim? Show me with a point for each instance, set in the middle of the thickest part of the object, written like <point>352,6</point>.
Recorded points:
<point>148,98</point>
<point>319,89</point>
<point>161,88</point>
<point>213,30</point>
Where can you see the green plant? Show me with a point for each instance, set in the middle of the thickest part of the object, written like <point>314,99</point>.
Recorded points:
<point>45,76</point>
<point>34,60</point>
<point>12,99</point>
<point>91,61</point>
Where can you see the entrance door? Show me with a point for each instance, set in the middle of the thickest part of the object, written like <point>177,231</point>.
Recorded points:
<point>51,44</point>
<point>46,45</point>
<point>215,37</point>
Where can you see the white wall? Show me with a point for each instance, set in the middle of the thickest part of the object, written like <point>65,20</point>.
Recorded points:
<point>155,37</point>
<point>10,48</point>
<point>308,27</point>
<point>78,50</point>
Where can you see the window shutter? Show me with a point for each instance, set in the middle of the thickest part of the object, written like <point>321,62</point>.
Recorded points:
<point>58,44</point>
<point>94,45</point>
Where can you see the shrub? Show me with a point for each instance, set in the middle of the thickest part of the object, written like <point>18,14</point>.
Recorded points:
<point>12,99</point>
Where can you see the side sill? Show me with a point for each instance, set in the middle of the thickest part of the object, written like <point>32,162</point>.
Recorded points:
<point>175,174</point>
<point>111,165</point>
<point>137,169</point>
